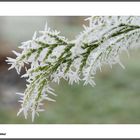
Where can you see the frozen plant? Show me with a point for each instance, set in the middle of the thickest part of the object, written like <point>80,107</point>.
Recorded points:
<point>51,57</point>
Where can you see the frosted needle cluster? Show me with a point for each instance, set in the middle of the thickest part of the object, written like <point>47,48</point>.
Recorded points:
<point>49,57</point>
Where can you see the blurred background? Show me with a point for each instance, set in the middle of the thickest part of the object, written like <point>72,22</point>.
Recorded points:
<point>115,98</point>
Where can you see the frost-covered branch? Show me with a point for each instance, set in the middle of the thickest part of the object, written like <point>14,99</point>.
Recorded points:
<point>52,57</point>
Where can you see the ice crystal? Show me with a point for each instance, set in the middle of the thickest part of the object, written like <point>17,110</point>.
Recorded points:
<point>52,57</point>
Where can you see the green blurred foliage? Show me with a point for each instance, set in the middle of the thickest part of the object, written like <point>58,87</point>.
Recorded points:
<point>115,99</point>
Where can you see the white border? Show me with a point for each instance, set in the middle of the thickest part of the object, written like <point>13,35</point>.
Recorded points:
<point>70,131</point>
<point>69,8</point>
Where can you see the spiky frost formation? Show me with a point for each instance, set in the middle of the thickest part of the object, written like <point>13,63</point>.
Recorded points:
<point>52,57</point>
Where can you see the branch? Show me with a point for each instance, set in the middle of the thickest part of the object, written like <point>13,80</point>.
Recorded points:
<point>52,57</point>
